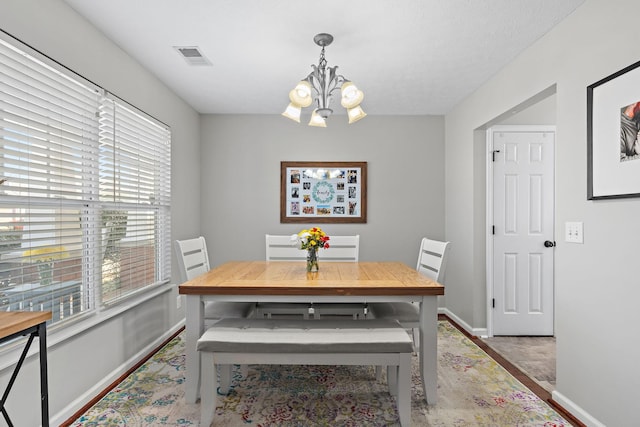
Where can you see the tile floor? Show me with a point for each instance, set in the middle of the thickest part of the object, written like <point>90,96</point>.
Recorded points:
<point>535,356</point>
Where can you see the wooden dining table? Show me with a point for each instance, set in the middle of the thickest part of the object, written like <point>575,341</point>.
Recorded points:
<point>335,282</point>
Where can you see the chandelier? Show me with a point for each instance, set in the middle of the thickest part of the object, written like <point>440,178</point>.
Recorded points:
<point>323,81</point>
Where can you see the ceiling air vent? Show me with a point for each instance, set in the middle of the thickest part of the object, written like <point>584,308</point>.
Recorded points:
<point>192,55</point>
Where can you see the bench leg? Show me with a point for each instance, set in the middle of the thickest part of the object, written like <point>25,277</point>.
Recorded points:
<point>379,373</point>
<point>225,372</point>
<point>244,371</point>
<point>403,399</point>
<point>392,379</point>
<point>209,389</point>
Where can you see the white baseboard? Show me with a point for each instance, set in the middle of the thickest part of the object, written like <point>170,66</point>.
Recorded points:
<point>478,332</point>
<point>575,410</point>
<point>66,413</point>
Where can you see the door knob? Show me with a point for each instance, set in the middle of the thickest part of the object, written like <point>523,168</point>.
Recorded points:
<point>549,244</point>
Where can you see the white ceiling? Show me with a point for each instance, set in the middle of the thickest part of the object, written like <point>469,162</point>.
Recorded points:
<point>410,57</point>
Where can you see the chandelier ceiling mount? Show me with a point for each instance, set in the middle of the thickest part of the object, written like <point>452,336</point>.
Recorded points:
<point>323,39</point>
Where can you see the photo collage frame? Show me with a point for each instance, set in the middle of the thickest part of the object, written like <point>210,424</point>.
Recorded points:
<point>323,192</point>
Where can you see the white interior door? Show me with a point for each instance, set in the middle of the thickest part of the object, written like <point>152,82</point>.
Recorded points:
<point>523,230</point>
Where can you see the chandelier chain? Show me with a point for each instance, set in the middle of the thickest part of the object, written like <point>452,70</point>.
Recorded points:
<point>323,62</point>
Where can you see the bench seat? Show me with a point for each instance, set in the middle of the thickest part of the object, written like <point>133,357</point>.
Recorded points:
<point>307,342</point>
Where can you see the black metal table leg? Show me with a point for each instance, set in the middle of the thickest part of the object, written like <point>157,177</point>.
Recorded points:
<point>14,375</point>
<point>33,324</point>
<point>44,386</point>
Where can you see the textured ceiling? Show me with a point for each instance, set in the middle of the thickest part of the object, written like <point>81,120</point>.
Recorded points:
<point>410,57</point>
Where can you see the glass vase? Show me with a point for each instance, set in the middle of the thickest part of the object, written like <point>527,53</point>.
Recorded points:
<point>312,260</point>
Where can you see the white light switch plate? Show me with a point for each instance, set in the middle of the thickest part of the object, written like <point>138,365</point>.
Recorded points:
<point>573,232</point>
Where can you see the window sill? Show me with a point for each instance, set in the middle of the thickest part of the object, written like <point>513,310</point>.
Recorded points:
<point>58,334</point>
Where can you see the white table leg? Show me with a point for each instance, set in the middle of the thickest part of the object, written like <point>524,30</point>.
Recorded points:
<point>194,328</point>
<point>429,347</point>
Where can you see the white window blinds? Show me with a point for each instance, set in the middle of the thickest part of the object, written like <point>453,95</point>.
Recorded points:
<point>134,186</point>
<point>84,192</point>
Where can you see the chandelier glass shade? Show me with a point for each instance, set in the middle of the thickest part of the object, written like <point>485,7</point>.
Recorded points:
<point>319,86</point>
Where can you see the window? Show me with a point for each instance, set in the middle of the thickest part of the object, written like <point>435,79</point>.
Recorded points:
<point>84,191</point>
<point>134,189</point>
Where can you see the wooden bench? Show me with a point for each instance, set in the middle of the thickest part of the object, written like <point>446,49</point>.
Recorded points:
<point>307,342</point>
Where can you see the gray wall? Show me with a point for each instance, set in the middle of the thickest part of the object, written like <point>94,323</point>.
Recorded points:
<point>540,113</point>
<point>241,158</point>
<point>597,285</point>
<point>89,359</point>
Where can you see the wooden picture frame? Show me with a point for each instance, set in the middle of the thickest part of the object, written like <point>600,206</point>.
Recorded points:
<point>323,192</point>
<point>613,114</point>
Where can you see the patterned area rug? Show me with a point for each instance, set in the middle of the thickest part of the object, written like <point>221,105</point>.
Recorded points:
<point>473,390</point>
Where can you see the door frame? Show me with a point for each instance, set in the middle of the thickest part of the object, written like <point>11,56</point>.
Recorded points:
<point>489,209</point>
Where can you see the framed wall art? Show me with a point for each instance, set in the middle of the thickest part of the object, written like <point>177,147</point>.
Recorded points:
<point>323,192</point>
<point>613,135</point>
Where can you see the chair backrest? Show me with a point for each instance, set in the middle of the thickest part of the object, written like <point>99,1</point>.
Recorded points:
<point>432,259</point>
<point>341,249</point>
<point>193,258</point>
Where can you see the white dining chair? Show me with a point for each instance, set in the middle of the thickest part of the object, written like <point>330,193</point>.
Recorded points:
<point>341,249</point>
<point>193,260</point>
<point>432,262</point>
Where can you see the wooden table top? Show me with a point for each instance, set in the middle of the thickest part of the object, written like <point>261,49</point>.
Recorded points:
<point>16,321</point>
<point>291,278</point>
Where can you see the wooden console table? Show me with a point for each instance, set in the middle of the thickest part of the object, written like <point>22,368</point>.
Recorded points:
<point>32,323</point>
